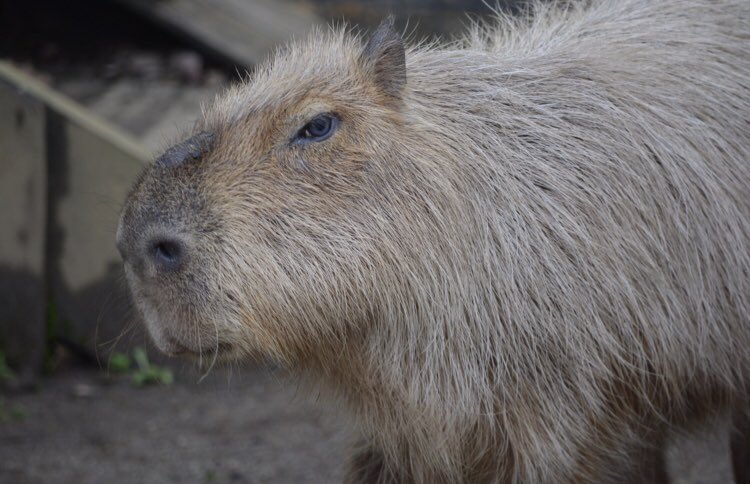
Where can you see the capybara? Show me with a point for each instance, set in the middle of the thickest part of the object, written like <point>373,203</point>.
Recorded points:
<point>521,256</point>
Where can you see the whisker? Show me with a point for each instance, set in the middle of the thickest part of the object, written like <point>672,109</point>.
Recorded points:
<point>216,352</point>
<point>200,345</point>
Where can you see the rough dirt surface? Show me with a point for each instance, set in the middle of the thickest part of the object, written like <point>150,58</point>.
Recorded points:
<point>242,426</point>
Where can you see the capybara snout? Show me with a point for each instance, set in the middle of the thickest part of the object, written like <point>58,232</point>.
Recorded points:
<point>165,237</point>
<point>149,238</point>
<point>522,256</point>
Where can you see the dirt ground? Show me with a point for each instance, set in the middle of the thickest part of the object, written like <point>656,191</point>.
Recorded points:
<point>238,426</point>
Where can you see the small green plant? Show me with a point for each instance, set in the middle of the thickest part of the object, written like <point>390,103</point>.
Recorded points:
<point>141,370</point>
<point>147,372</point>
<point>119,363</point>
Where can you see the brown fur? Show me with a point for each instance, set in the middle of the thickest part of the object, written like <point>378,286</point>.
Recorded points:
<point>522,257</point>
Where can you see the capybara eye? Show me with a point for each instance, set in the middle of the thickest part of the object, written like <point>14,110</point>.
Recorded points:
<point>320,128</point>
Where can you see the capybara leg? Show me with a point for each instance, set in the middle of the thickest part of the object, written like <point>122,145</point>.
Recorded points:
<point>740,446</point>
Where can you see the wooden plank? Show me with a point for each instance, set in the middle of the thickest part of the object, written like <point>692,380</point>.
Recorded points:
<point>241,32</point>
<point>71,110</point>
<point>90,166</point>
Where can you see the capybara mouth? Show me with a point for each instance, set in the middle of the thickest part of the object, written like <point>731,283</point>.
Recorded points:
<point>173,337</point>
<point>173,348</point>
<point>176,348</point>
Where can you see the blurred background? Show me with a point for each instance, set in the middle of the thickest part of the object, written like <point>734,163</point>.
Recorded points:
<point>90,91</point>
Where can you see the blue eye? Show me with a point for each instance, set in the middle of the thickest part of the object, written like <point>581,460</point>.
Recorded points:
<point>320,128</point>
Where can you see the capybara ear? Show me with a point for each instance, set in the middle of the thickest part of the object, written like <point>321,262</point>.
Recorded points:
<point>385,58</point>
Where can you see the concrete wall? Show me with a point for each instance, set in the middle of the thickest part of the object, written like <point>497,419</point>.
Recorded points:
<point>63,176</point>
<point>23,217</point>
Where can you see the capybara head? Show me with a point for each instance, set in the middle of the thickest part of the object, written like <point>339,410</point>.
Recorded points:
<point>269,228</point>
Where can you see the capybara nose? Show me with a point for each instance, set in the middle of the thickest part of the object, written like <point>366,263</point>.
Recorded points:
<point>154,253</point>
<point>166,254</point>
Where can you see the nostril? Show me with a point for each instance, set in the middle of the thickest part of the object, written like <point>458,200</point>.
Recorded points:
<point>167,254</point>
<point>169,251</point>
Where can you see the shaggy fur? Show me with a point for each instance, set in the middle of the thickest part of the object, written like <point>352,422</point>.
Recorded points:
<point>524,261</point>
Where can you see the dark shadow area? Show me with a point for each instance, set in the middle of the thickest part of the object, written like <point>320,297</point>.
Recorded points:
<point>91,37</point>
